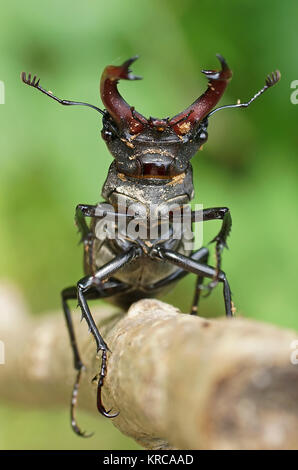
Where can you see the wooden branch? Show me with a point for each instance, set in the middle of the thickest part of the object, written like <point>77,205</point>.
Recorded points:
<point>179,381</point>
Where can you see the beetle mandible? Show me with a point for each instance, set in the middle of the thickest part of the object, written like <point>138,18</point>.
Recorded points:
<point>151,166</point>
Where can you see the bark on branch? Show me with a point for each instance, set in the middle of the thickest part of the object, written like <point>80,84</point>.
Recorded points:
<point>179,381</point>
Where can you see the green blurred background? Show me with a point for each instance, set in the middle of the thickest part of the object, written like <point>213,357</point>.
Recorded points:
<point>53,158</point>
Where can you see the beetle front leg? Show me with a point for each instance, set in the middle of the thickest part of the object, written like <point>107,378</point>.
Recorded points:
<point>216,213</point>
<point>83,211</point>
<point>87,236</point>
<point>220,213</point>
<point>100,210</point>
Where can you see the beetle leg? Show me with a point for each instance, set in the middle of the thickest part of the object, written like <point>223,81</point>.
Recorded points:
<point>100,210</point>
<point>83,286</point>
<point>179,273</point>
<point>109,288</point>
<point>199,255</point>
<point>216,213</point>
<point>80,220</point>
<point>198,288</point>
<point>68,294</point>
<point>221,238</point>
<point>202,270</point>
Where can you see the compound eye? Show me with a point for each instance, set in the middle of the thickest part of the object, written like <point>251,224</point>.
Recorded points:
<point>108,136</point>
<point>203,136</point>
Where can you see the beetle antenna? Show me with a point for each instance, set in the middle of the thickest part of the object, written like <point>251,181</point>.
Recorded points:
<point>270,81</point>
<point>35,84</point>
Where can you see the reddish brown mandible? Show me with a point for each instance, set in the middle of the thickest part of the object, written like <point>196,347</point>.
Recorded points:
<point>127,118</point>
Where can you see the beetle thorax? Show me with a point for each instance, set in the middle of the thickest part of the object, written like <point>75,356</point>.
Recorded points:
<point>147,192</point>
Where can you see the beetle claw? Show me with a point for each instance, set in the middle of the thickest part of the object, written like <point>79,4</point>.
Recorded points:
<point>80,433</point>
<point>100,406</point>
<point>107,413</point>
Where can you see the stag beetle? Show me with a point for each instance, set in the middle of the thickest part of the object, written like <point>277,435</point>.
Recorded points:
<point>151,165</point>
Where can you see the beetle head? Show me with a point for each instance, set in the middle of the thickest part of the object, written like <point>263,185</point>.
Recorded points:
<point>156,148</point>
